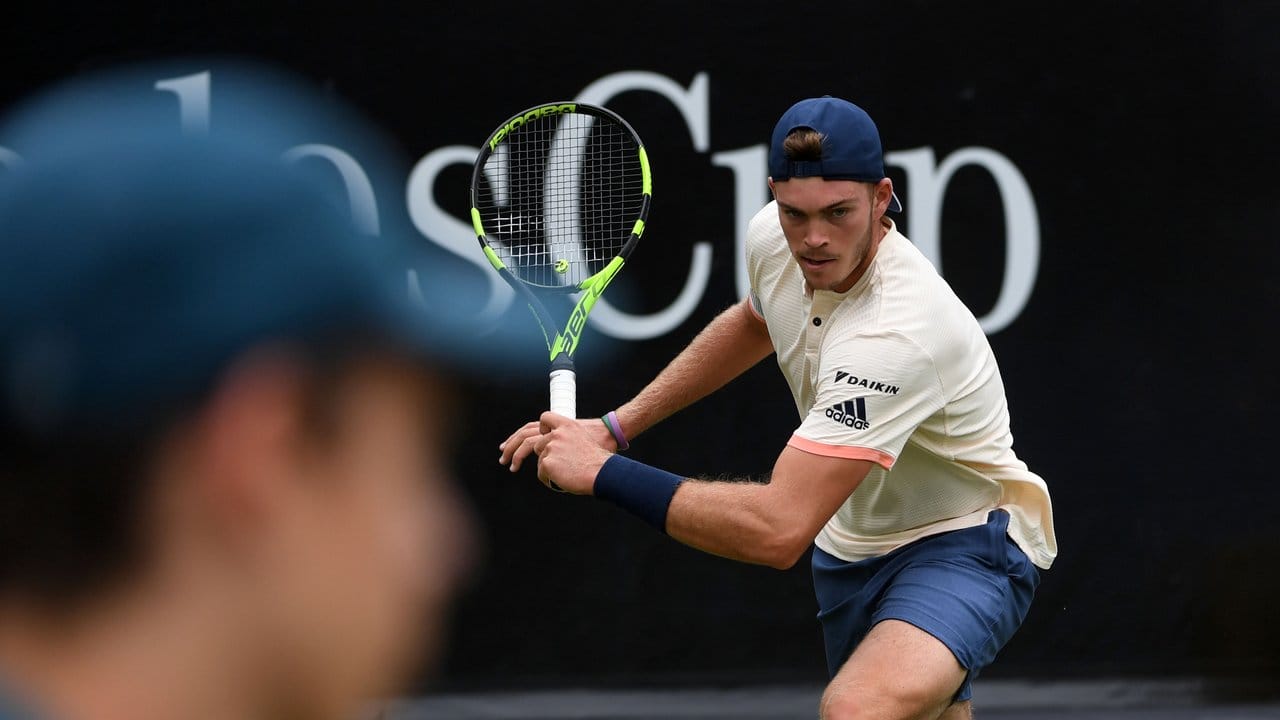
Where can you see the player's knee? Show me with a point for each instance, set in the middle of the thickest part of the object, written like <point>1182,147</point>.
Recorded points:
<point>865,704</point>
<point>846,705</point>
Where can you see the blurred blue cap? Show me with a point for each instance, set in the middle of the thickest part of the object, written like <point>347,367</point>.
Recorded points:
<point>850,144</point>
<point>137,262</point>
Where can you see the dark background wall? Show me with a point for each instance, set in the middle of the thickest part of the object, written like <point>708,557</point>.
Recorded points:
<point>1139,372</point>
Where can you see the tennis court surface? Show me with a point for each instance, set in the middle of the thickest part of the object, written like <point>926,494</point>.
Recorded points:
<point>994,700</point>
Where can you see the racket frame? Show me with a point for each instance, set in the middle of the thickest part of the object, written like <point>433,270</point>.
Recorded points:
<point>562,344</point>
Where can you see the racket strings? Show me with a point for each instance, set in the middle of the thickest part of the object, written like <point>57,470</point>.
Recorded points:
<point>560,196</point>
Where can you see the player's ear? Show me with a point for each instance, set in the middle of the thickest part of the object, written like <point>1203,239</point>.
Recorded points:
<point>881,193</point>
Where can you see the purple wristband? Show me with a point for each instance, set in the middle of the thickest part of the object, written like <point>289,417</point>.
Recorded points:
<point>615,429</point>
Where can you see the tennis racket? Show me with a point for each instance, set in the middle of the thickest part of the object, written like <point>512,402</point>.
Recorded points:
<point>559,198</point>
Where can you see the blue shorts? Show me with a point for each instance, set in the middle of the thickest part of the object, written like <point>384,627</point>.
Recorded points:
<point>968,588</point>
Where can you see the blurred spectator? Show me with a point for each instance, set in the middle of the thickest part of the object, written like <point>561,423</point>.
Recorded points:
<point>223,490</point>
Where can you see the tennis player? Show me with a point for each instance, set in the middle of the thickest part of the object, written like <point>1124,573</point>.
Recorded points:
<point>928,531</point>
<point>222,467</point>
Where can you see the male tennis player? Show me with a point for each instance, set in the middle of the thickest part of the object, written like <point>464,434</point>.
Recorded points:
<point>222,480</point>
<point>928,530</point>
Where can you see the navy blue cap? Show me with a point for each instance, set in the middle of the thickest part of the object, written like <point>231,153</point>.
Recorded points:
<point>137,262</point>
<point>850,144</point>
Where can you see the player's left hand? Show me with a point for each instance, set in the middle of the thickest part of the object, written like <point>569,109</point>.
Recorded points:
<point>519,446</point>
<point>568,455</point>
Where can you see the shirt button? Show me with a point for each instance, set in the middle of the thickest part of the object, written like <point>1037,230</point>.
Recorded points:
<point>817,321</point>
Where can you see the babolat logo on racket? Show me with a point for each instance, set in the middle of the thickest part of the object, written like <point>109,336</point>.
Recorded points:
<point>515,123</point>
<point>850,413</point>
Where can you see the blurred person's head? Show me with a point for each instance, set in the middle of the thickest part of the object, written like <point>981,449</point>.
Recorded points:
<point>223,485</point>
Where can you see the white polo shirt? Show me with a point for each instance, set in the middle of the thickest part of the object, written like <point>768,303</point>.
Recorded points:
<point>897,371</point>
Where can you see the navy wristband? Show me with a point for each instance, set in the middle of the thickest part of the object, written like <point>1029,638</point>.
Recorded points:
<point>639,489</point>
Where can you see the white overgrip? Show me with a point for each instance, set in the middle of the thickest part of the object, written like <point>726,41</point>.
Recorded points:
<point>564,393</point>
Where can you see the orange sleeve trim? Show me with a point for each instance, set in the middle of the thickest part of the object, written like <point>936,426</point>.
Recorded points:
<point>752,307</point>
<point>883,459</point>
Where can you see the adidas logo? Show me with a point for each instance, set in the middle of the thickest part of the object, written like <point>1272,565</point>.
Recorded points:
<point>850,413</point>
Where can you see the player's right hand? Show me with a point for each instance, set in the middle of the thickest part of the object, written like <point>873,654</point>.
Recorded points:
<point>521,443</point>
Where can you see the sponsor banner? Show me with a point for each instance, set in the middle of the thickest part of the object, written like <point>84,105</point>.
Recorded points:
<point>1096,185</point>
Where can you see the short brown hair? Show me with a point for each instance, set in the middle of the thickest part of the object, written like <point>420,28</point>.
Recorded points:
<point>73,507</point>
<point>803,144</point>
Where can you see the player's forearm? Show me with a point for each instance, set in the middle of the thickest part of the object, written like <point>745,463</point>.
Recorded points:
<point>727,347</point>
<point>735,520</point>
<point>766,523</point>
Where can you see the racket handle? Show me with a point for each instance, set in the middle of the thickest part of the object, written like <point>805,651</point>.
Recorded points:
<point>564,393</point>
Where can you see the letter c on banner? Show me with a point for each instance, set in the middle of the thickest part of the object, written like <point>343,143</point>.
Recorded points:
<point>692,104</point>
<point>926,189</point>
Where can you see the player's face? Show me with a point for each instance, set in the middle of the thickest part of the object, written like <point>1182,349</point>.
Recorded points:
<point>378,538</point>
<point>829,228</point>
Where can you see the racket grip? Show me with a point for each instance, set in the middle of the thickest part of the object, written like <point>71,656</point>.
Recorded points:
<point>564,393</point>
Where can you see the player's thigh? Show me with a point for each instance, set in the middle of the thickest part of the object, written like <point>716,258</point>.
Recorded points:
<point>898,672</point>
